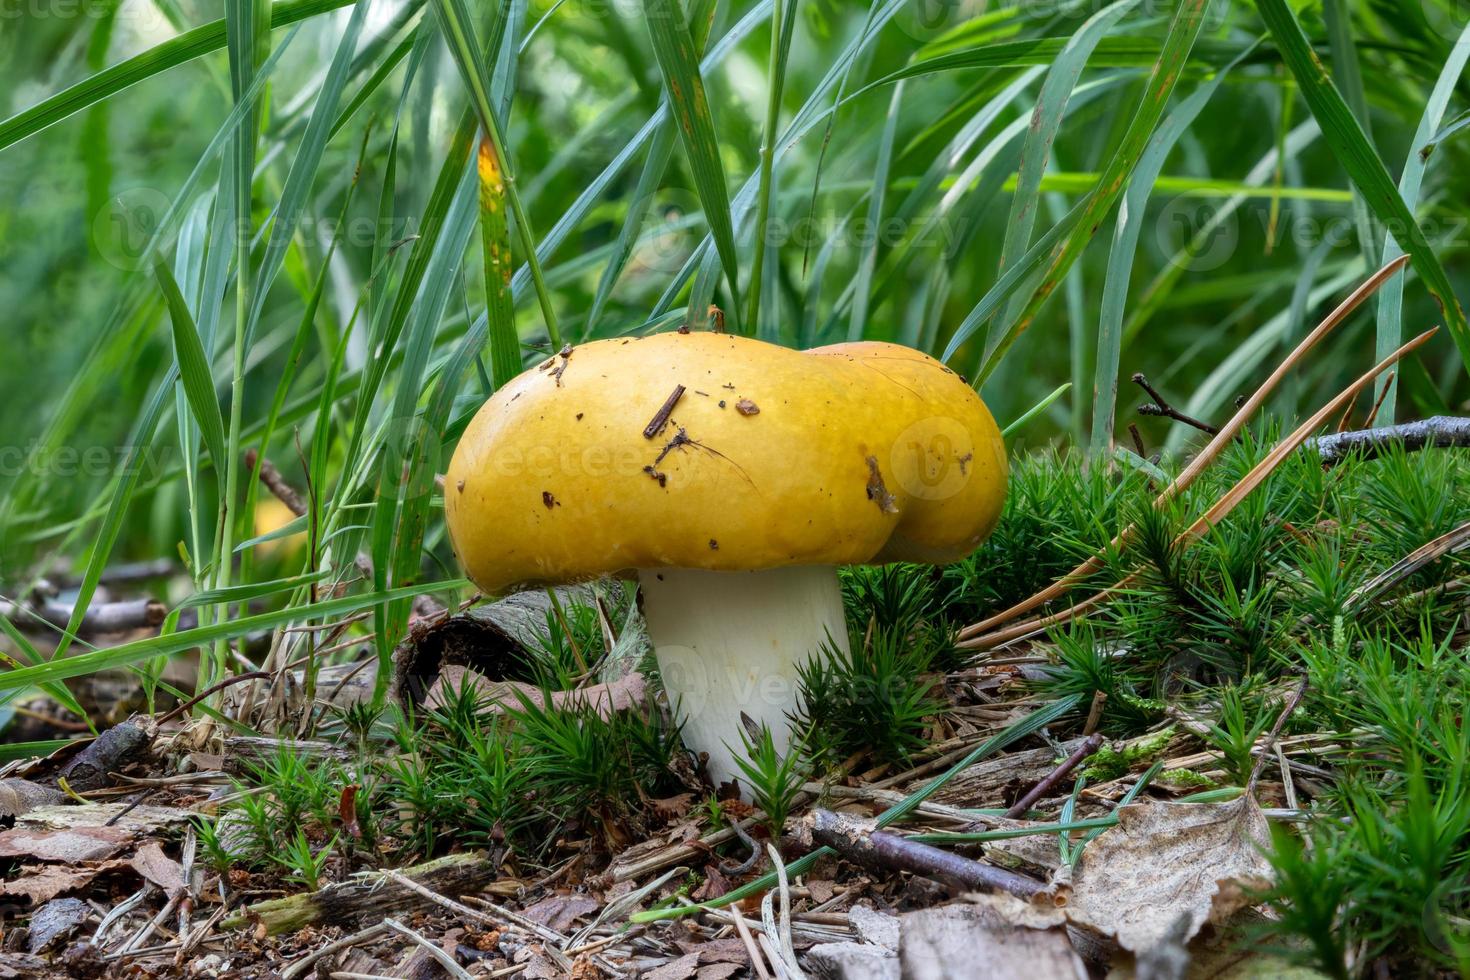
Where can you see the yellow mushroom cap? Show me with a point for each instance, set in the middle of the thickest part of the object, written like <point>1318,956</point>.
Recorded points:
<point>596,462</point>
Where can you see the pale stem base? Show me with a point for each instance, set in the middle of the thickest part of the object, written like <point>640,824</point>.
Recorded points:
<point>731,642</point>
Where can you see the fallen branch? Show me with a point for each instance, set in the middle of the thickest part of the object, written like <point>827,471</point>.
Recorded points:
<point>882,850</point>
<point>106,617</point>
<point>367,895</point>
<point>1162,409</point>
<point>1439,432</point>
<point>276,483</point>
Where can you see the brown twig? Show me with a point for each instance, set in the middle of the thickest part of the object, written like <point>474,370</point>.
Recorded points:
<point>1162,408</point>
<point>1089,745</point>
<point>1291,705</point>
<point>1094,713</point>
<point>1202,461</point>
<point>275,482</point>
<point>661,417</point>
<point>1439,432</point>
<point>735,870</point>
<point>880,849</point>
<point>179,709</point>
<point>1138,443</point>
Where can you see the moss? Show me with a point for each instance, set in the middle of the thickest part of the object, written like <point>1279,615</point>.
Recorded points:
<point>1184,779</point>
<point>1110,763</point>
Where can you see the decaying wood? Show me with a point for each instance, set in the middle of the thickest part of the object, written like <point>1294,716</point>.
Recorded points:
<point>493,640</point>
<point>1439,432</point>
<point>105,617</point>
<point>368,897</point>
<point>879,849</point>
<point>107,753</point>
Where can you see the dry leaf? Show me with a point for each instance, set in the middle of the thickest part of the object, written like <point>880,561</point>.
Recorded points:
<point>559,911</point>
<point>683,968</point>
<point>950,941</point>
<point>41,883</point>
<point>18,796</point>
<point>1164,860</point>
<point>157,867</point>
<point>66,846</point>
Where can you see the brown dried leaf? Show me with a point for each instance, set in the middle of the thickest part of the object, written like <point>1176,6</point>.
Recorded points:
<point>1167,860</point>
<point>157,867</point>
<point>949,941</point>
<point>559,911</point>
<point>41,883</point>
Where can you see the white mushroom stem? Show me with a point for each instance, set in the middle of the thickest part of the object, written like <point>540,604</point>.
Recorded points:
<point>731,642</point>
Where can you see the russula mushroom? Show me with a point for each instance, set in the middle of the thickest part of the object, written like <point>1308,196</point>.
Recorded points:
<point>732,477</point>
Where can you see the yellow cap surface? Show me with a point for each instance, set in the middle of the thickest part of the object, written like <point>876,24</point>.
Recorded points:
<point>850,454</point>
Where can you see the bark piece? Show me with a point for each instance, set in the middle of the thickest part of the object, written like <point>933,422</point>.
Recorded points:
<point>64,846</point>
<point>368,897</point>
<point>493,640</point>
<point>107,753</point>
<point>852,961</point>
<point>139,821</point>
<point>55,921</point>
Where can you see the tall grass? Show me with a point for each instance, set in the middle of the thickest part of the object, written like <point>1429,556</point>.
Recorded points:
<point>326,231</point>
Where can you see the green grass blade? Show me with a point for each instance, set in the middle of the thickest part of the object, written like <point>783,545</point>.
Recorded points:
<point>783,23</point>
<point>111,658</point>
<point>857,323</point>
<point>1036,409</point>
<point>156,60</point>
<point>1123,255</point>
<point>1411,181</point>
<point>255,590</point>
<point>459,33</point>
<point>306,163</point>
<point>1046,119</point>
<point>1362,163</point>
<point>124,485</point>
<point>673,45</point>
<point>1183,30</point>
<point>193,366</point>
<point>29,655</point>
<point>505,343</point>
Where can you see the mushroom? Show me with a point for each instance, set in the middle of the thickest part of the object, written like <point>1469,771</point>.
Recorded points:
<point>732,477</point>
